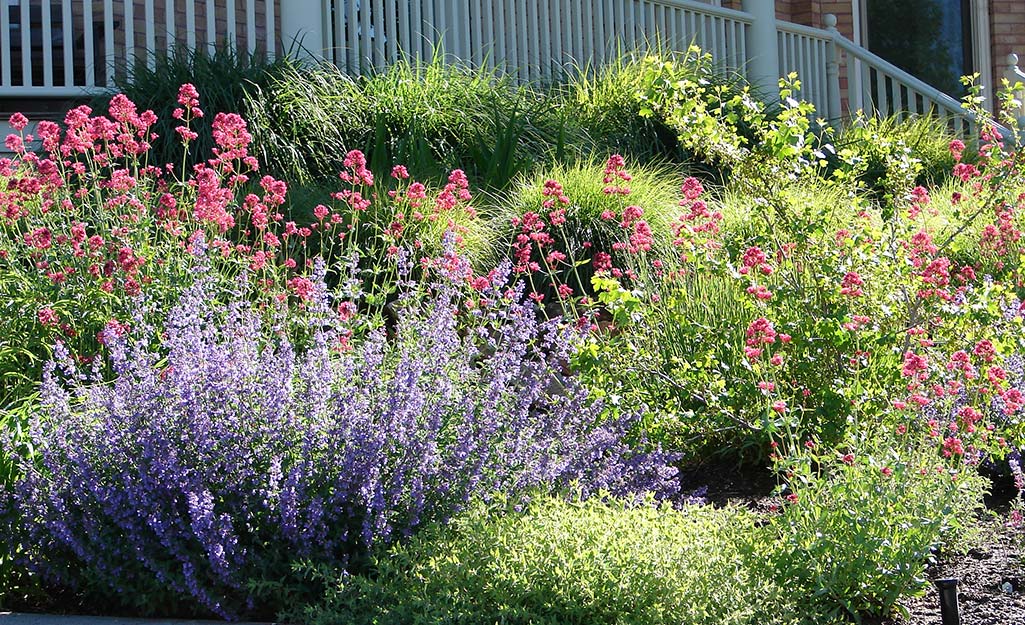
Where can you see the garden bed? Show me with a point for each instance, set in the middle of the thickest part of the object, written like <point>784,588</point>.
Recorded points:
<point>407,395</point>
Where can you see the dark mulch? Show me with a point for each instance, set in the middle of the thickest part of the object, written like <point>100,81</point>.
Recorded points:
<point>991,588</point>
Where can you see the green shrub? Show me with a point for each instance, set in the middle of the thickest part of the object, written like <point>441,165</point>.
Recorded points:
<point>605,105</point>
<point>745,217</point>
<point>892,154</point>
<point>613,106</point>
<point>861,529</point>
<point>653,188</point>
<point>15,583</point>
<point>432,117</point>
<point>305,119</point>
<point>569,562</point>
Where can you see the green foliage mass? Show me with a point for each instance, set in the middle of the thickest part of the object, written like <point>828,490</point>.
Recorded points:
<point>563,562</point>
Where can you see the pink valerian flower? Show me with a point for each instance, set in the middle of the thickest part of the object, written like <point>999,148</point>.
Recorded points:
<point>780,406</point>
<point>557,217</point>
<point>47,317</point>
<point>957,148</point>
<point>399,172</point>
<point>759,291</point>
<point>212,200</point>
<point>40,238</point>
<point>760,331</point>
<point>186,134</point>
<point>755,258</point>
<point>996,377</point>
<point>700,224</point>
<point>641,239</point>
<point>691,189</point>
<point>630,215</point>
<point>49,133</point>
<point>455,191</point>
<point>937,275</point>
<point>354,199</point>
<point>615,171</point>
<point>231,136</point>
<point>922,248</point>
<point>112,330</point>
<point>304,288</point>
<point>346,311</point>
<point>915,366</point>
<point>919,199</point>
<point>952,446</point>
<point>601,261</point>
<point>851,284</point>
<point>259,261</point>
<point>188,97</point>
<point>18,122</point>
<point>554,193</point>
<point>960,361</point>
<point>1014,401</point>
<point>966,172</point>
<point>14,143</point>
<point>358,174</point>
<point>985,350</point>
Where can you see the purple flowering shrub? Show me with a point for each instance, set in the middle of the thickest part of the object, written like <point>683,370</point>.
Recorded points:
<point>221,453</point>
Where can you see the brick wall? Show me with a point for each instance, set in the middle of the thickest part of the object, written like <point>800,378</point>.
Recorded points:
<point>1007,29</point>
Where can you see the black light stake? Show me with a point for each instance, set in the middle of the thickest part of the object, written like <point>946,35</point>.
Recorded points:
<point>949,612</point>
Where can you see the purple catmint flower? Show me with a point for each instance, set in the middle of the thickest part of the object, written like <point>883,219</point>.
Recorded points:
<point>220,453</point>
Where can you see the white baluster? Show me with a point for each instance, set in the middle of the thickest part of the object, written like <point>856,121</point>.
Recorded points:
<point>833,111</point>
<point>762,48</point>
<point>1015,76</point>
<point>302,23</point>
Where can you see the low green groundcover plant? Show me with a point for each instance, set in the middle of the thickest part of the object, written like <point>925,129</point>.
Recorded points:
<point>570,562</point>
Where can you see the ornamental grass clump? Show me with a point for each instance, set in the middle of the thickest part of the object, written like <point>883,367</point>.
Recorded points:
<point>221,454</point>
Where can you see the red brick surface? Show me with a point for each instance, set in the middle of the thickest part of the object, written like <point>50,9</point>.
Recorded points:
<point>1007,26</point>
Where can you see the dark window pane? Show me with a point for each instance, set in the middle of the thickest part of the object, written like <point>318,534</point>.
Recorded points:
<point>929,39</point>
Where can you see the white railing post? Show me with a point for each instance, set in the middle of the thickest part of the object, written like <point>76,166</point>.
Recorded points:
<point>302,28</point>
<point>762,48</point>
<point>833,111</point>
<point>1014,75</point>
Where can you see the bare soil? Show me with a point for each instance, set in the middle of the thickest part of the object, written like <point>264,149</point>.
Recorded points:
<point>992,581</point>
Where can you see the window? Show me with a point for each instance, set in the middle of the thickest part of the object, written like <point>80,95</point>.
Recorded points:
<point>929,39</point>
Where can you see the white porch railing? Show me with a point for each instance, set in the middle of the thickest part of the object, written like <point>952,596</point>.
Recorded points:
<point>64,48</point>
<point>879,87</point>
<point>807,51</point>
<point>528,40</point>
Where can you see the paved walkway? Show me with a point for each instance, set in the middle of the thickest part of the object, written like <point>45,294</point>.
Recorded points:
<point>8,618</point>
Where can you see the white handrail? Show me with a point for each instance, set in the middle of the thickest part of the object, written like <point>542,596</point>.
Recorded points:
<point>707,9</point>
<point>889,70</point>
